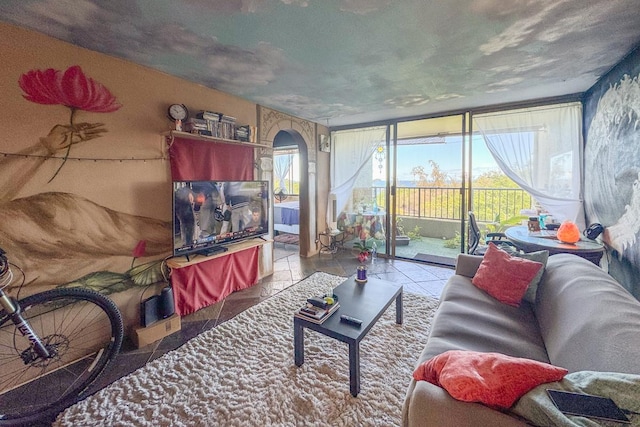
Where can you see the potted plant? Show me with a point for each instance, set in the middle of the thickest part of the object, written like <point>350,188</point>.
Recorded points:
<point>363,248</point>
<point>402,239</point>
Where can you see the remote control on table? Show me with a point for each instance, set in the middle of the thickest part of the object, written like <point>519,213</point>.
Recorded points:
<point>349,319</point>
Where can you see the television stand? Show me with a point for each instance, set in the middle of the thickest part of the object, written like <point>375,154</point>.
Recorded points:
<point>204,280</point>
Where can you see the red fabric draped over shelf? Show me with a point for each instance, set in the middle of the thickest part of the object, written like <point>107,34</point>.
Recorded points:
<point>193,160</point>
<point>206,283</point>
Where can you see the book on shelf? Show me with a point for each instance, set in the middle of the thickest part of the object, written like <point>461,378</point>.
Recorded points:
<point>228,119</point>
<point>209,115</point>
<point>243,133</point>
<point>316,314</point>
<point>193,125</point>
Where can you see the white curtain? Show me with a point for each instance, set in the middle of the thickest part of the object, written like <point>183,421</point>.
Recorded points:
<point>281,166</point>
<point>351,151</point>
<point>541,150</point>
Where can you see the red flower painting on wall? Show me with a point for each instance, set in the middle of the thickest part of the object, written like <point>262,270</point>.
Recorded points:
<point>74,90</point>
<point>139,251</point>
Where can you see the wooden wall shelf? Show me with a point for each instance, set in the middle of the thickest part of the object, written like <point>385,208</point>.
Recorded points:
<point>193,136</point>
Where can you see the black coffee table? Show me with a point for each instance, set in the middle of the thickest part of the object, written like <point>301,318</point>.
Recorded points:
<point>366,302</point>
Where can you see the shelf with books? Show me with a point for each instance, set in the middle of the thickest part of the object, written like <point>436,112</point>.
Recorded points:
<point>170,135</point>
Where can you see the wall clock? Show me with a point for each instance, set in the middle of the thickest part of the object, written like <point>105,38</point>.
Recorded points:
<point>178,112</point>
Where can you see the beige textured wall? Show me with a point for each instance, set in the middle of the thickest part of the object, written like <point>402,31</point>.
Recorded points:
<point>136,187</point>
<point>119,182</point>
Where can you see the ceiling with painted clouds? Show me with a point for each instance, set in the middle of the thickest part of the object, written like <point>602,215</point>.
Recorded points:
<point>342,62</point>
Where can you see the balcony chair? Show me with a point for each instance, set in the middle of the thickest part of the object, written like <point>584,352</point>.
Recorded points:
<point>499,239</point>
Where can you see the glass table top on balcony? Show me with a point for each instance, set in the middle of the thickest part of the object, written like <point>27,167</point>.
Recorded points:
<point>547,240</point>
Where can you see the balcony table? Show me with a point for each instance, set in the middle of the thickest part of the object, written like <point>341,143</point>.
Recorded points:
<point>547,240</point>
<point>368,222</point>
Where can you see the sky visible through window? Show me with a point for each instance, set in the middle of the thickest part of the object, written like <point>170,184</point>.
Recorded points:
<point>447,155</point>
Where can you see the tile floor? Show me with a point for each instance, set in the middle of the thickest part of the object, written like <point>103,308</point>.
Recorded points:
<point>289,269</point>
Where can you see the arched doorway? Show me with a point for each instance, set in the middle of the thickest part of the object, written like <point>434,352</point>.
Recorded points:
<point>294,196</point>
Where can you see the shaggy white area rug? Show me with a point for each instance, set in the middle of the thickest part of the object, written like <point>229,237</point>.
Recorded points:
<point>241,373</point>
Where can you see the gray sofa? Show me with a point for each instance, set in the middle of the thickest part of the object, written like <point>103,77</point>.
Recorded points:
<point>583,320</point>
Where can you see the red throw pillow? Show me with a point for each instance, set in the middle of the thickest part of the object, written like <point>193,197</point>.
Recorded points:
<point>505,277</point>
<point>494,379</point>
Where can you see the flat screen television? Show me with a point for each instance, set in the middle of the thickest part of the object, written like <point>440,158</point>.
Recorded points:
<point>207,215</point>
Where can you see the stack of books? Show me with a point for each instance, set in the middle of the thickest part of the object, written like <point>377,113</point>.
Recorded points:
<point>315,311</point>
<point>227,127</point>
<point>243,133</point>
<point>195,125</point>
<point>219,125</point>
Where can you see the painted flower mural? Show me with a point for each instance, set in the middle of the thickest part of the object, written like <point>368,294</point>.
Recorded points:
<point>66,226</point>
<point>74,90</point>
<point>139,251</point>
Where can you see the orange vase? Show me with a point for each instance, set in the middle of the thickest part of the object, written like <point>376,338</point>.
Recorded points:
<point>568,232</point>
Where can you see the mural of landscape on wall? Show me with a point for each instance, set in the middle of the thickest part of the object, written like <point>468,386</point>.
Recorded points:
<point>612,169</point>
<point>59,238</point>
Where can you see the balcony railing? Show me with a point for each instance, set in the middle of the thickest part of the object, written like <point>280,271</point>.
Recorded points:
<point>445,203</point>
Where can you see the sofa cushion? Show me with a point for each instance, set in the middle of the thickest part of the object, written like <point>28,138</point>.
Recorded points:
<point>588,321</point>
<point>504,277</point>
<point>470,319</point>
<point>467,265</point>
<point>538,256</point>
<point>494,379</point>
<point>428,405</point>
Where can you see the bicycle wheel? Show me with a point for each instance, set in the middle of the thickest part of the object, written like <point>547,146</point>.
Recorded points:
<point>83,331</point>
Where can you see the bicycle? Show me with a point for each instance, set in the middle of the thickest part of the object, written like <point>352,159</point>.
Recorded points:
<point>53,346</point>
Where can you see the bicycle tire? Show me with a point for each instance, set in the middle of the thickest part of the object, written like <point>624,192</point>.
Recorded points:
<point>86,330</point>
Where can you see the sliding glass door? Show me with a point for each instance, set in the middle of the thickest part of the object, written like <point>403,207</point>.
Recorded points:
<point>406,187</point>
<point>428,202</point>
<point>399,188</point>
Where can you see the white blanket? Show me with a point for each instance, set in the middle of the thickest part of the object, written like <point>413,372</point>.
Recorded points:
<point>624,389</point>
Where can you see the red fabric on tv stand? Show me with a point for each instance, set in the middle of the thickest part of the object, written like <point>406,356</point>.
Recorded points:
<point>200,285</point>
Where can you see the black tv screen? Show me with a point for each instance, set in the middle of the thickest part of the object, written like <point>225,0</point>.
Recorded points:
<point>210,214</point>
